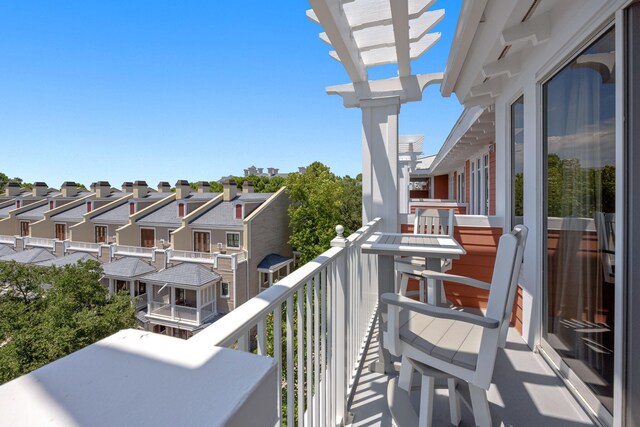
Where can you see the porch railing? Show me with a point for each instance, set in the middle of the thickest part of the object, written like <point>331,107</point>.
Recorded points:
<point>133,250</point>
<point>173,312</point>
<point>82,246</point>
<point>39,242</point>
<point>315,323</point>
<point>190,256</point>
<point>8,240</point>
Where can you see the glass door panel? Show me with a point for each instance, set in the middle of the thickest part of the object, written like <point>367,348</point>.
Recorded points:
<point>579,139</point>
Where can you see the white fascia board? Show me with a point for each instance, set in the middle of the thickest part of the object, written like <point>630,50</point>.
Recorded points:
<point>468,117</point>
<point>468,21</point>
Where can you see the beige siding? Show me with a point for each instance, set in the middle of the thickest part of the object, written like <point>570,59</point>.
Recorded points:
<point>268,233</point>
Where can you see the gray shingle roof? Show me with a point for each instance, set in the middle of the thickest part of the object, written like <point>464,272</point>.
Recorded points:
<point>6,250</point>
<point>34,214</point>
<point>224,213</point>
<point>73,214</point>
<point>184,274</point>
<point>167,214</point>
<point>272,260</point>
<point>127,267</point>
<point>4,212</point>
<point>121,213</point>
<point>254,197</point>
<point>70,259</point>
<point>31,256</point>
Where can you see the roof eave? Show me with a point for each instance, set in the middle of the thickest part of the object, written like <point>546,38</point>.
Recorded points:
<point>470,17</point>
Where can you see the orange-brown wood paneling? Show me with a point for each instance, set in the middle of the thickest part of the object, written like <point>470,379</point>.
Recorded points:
<point>467,178</point>
<point>418,194</point>
<point>441,187</point>
<point>481,246</point>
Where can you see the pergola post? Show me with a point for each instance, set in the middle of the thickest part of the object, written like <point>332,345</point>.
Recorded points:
<point>380,161</point>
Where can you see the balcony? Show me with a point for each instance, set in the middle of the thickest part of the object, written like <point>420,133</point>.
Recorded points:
<point>137,251</point>
<point>93,248</point>
<point>318,325</point>
<point>8,240</point>
<point>38,242</point>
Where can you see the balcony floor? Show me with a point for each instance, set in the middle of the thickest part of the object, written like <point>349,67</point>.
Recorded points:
<point>524,392</point>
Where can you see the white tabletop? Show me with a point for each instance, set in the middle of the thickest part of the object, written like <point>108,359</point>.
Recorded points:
<point>424,245</point>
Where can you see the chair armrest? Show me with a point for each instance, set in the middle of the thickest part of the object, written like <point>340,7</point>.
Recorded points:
<point>440,312</point>
<point>430,274</point>
<point>410,269</point>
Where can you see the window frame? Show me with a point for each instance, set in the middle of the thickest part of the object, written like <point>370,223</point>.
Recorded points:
<point>226,295</point>
<point>95,232</point>
<point>227,239</point>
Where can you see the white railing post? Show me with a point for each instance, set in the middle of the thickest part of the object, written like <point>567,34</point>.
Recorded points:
<point>340,356</point>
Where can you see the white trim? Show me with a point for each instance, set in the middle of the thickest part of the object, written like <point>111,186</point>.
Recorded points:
<point>193,238</point>
<point>106,234</point>
<point>55,230</point>
<point>228,295</point>
<point>226,238</point>
<point>140,235</point>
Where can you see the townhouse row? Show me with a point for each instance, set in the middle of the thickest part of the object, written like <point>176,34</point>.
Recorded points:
<point>186,256</point>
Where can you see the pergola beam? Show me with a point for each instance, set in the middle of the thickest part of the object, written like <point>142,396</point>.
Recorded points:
<point>400,20</point>
<point>330,16</point>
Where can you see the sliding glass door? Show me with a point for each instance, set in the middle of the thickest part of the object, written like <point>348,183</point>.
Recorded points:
<point>580,146</point>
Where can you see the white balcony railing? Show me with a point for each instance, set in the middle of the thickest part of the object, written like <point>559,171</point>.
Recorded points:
<point>8,240</point>
<point>83,246</point>
<point>177,313</point>
<point>133,251</point>
<point>315,323</point>
<point>189,256</point>
<point>39,242</point>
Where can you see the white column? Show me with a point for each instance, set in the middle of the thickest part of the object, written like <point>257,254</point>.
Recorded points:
<point>403,188</point>
<point>198,304</point>
<point>380,161</point>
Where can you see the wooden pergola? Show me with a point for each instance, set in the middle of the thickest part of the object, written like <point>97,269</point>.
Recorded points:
<point>365,34</point>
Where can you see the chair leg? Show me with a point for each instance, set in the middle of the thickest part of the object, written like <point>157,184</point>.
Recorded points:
<point>426,401</point>
<point>405,380</point>
<point>404,283</point>
<point>480,404</point>
<point>454,402</point>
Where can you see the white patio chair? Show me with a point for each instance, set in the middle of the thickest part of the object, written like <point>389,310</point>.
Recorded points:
<point>452,343</point>
<point>428,221</point>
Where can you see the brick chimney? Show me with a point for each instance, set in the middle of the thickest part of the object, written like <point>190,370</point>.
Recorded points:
<point>140,189</point>
<point>102,189</point>
<point>230,189</point>
<point>12,189</point>
<point>164,187</point>
<point>39,189</point>
<point>203,187</point>
<point>69,189</point>
<point>182,188</point>
<point>127,187</point>
<point>247,187</point>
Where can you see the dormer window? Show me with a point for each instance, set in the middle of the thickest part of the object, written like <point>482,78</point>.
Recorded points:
<point>132,208</point>
<point>238,211</point>
<point>89,207</point>
<point>181,209</point>
<point>51,206</point>
<point>17,204</point>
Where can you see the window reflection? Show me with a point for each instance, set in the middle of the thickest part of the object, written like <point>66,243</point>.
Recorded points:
<point>579,109</point>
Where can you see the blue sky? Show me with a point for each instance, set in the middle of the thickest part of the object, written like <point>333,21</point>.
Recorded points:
<point>163,90</point>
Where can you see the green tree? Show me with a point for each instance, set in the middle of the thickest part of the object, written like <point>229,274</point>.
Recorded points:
<point>320,200</point>
<point>74,312</point>
<point>25,282</point>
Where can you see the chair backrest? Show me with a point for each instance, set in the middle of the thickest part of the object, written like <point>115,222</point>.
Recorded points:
<point>505,276</point>
<point>520,232</point>
<point>433,221</point>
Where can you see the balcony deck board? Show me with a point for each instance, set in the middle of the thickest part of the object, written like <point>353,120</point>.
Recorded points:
<point>524,392</point>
